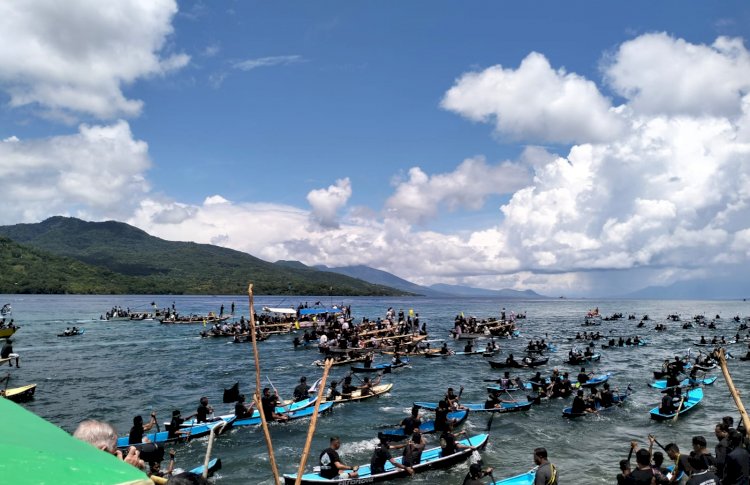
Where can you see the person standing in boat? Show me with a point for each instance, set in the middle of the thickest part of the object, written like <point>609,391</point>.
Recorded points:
<point>331,466</point>
<point>546,472</point>
<point>411,423</point>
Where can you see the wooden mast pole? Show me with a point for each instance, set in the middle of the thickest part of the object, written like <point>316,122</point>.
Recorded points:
<point>313,422</point>
<point>256,396</point>
<point>733,390</point>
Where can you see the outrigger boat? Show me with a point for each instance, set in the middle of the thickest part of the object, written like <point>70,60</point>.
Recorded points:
<point>427,427</point>
<point>289,408</point>
<point>594,381</point>
<point>525,362</point>
<point>617,400</point>
<point>80,331</point>
<point>358,369</point>
<point>690,400</point>
<point>254,420</point>
<point>582,359</point>
<point>431,459</point>
<point>662,384</point>
<point>504,407</point>
<point>357,395</point>
<point>185,434</point>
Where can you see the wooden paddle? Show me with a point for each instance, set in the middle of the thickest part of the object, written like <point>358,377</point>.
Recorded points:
<point>679,408</point>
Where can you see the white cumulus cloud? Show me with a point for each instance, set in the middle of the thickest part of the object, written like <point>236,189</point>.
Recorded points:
<point>95,173</point>
<point>76,56</point>
<point>660,74</point>
<point>535,102</point>
<point>326,203</point>
<point>421,196</point>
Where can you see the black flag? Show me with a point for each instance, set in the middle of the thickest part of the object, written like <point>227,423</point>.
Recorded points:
<point>232,394</point>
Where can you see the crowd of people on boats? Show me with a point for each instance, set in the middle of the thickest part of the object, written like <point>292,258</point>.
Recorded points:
<point>728,465</point>
<point>8,324</point>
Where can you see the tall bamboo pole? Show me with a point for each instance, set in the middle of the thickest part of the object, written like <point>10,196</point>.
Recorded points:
<point>733,390</point>
<point>256,397</point>
<point>313,422</point>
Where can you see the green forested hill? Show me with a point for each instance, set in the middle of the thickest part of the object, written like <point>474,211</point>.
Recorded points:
<point>140,263</point>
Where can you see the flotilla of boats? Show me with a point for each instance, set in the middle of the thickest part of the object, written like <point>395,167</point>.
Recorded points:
<point>334,334</point>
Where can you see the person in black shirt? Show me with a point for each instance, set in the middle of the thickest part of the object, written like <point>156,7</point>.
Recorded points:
<point>643,473</point>
<point>301,392</point>
<point>583,377</point>
<point>330,463</point>
<point>382,455</point>
<point>413,450</point>
<point>737,462</point>
<point>269,402</point>
<point>441,416</point>
<point>449,444</point>
<point>411,423</point>
<point>624,478</point>
<point>174,425</point>
<point>240,410</point>
<point>701,474</point>
<point>722,433</point>
<point>475,475</point>
<point>7,352</point>
<point>606,397</point>
<point>347,388</point>
<point>201,415</point>
<point>579,405</point>
<point>136,432</point>
<point>682,464</point>
<point>667,403</point>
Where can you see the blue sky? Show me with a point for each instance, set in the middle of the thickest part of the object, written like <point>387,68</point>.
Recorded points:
<point>292,130</point>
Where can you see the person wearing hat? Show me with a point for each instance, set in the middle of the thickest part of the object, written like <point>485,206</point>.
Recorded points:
<point>302,391</point>
<point>475,475</point>
<point>382,455</point>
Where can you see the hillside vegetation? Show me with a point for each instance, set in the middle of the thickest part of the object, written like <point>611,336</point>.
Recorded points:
<point>114,257</point>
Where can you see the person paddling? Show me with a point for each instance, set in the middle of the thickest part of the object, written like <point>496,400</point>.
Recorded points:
<point>241,411</point>
<point>138,429</point>
<point>331,466</point>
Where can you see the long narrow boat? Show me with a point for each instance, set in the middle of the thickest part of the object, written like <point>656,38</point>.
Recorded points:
<point>594,381</point>
<point>357,395</point>
<point>419,352</point>
<point>321,363</point>
<point>290,408</point>
<point>617,400</point>
<point>504,407</point>
<point>19,394</point>
<point>583,359</point>
<point>686,382</point>
<point>80,332</point>
<point>213,466</point>
<point>186,434</point>
<point>427,427</point>
<point>378,367</point>
<point>302,413</point>
<point>693,397</point>
<point>431,459</point>
<point>525,362</point>
<point>498,388</point>
<point>7,332</point>
<point>522,479</point>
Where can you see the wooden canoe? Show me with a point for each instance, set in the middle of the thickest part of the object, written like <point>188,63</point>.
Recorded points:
<point>19,394</point>
<point>357,395</point>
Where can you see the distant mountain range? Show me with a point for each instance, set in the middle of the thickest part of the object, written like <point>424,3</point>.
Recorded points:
<point>377,276</point>
<point>68,255</point>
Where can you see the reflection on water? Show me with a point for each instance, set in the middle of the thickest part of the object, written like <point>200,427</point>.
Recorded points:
<point>119,369</point>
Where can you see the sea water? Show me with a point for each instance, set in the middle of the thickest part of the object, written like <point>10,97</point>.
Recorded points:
<point>119,369</point>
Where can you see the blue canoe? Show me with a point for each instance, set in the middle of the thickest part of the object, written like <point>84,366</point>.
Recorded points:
<point>431,459</point>
<point>378,367</point>
<point>692,398</point>
<point>295,406</point>
<point>616,399</point>
<point>426,427</point>
<point>505,407</point>
<point>186,434</point>
<point>527,386</point>
<point>594,381</point>
<point>686,382</point>
<point>302,413</point>
<point>523,479</point>
<point>583,359</point>
<point>213,466</point>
